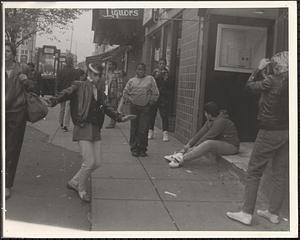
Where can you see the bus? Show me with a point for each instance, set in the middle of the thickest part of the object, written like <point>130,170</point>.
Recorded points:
<point>48,64</point>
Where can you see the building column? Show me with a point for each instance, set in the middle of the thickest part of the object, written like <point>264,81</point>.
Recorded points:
<point>198,110</point>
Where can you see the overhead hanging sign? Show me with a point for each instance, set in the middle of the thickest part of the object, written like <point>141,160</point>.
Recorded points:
<point>118,13</point>
<point>148,12</point>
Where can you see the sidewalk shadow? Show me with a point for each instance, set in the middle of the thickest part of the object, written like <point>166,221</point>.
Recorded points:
<point>39,194</point>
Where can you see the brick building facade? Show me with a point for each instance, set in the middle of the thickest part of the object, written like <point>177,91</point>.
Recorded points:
<point>210,59</point>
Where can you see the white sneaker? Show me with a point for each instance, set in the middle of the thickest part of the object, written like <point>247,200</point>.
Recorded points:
<point>165,136</point>
<point>177,160</point>
<point>241,216</point>
<point>150,134</point>
<point>169,157</point>
<point>273,218</point>
<point>178,157</point>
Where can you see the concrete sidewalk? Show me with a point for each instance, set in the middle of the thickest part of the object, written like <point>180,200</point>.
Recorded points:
<point>144,194</point>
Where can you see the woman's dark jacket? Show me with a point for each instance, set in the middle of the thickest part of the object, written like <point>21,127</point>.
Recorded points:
<point>273,113</point>
<point>84,108</point>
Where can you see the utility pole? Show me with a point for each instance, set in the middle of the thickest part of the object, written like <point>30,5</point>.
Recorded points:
<point>71,38</point>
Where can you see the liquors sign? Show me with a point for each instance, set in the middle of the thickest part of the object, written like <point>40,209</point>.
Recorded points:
<point>118,13</point>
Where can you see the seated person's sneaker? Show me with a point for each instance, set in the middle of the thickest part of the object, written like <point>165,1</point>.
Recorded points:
<point>241,216</point>
<point>84,196</point>
<point>273,218</point>
<point>169,157</point>
<point>178,157</point>
<point>174,164</point>
<point>177,160</point>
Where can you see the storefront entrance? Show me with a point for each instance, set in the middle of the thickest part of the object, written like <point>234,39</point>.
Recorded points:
<point>235,46</point>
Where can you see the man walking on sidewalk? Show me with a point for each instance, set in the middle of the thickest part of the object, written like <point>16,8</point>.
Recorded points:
<point>272,141</point>
<point>64,80</point>
<point>115,87</point>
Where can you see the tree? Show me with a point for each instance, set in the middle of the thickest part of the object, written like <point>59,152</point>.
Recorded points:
<point>29,21</point>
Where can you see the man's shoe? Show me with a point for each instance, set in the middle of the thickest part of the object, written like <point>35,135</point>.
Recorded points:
<point>7,193</point>
<point>143,154</point>
<point>135,154</point>
<point>150,134</point>
<point>241,217</point>
<point>273,218</point>
<point>72,186</point>
<point>165,136</point>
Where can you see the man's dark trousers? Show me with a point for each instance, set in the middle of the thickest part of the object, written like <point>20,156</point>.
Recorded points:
<point>139,128</point>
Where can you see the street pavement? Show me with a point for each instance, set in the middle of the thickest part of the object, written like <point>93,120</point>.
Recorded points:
<point>128,193</point>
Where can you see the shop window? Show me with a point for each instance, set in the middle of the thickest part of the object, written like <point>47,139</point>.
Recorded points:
<point>239,48</point>
<point>168,44</point>
<point>156,50</point>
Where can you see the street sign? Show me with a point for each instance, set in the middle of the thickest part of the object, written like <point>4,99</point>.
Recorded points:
<point>120,14</point>
<point>148,13</point>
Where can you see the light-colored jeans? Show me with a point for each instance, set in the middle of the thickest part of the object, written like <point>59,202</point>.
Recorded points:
<point>91,154</point>
<point>64,115</point>
<point>210,146</point>
<point>270,146</point>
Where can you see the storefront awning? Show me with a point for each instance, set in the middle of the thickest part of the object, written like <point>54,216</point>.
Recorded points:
<point>118,26</point>
<point>108,55</point>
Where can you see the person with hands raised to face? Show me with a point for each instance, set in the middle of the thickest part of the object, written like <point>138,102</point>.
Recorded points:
<point>270,79</point>
<point>88,108</point>
<point>141,92</point>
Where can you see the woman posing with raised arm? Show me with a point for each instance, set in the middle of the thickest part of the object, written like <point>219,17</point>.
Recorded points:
<point>87,111</point>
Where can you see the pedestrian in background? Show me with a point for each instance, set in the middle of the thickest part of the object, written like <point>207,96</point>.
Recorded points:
<point>64,80</point>
<point>114,89</point>
<point>141,92</point>
<point>81,74</point>
<point>87,109</point>
<point>218,136</point>
<point>35,76</point>
<point>272,141</point>
<point>161,76</point>
<point>16,83</point>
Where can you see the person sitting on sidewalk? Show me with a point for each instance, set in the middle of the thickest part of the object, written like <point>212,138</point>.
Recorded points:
<point>87,110</point>
<point>272,141</point>
<point>218,136</point>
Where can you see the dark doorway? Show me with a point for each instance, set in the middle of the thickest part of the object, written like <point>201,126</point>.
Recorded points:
<point>227,87</point>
